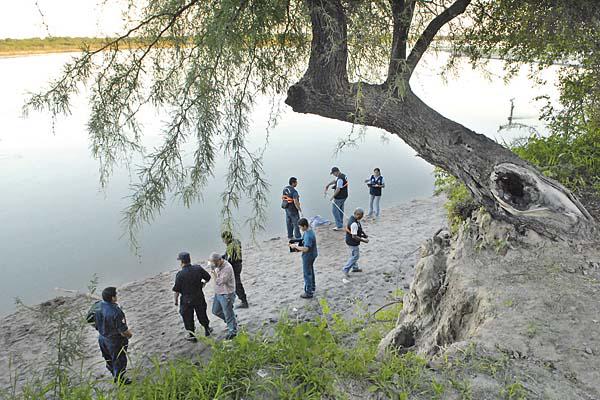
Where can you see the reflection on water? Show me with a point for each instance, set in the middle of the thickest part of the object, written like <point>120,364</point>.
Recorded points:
<point>57,228</point>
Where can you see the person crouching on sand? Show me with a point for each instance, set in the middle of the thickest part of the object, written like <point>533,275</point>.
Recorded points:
<point>223,275</point>
<point>309,255</point>
<point>354,236</point>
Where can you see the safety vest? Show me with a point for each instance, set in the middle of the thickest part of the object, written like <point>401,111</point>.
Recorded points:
<point>350,241</point>
<point>343,194</point>
<point>287,201</point>
<point>375,191</point>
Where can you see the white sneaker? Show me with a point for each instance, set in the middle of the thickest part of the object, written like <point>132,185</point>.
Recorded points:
<point>336,229</point>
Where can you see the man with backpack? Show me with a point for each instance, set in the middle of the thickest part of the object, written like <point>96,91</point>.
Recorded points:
<point>113,333</point>
<point>290,202</point>
<point>188,284</point>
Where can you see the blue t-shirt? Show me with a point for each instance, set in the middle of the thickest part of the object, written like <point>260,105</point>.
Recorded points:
<point>310,240</point>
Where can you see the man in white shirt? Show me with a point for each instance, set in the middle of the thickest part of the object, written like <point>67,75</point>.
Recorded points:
<point>354,236</point>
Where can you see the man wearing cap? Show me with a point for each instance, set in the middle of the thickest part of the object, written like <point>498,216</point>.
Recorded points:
<point>340,194</point>
<point>113,334</point>
<point>223,275</point>
<point>189,283</point>
<point>354,237</point>
<point>291,204</point>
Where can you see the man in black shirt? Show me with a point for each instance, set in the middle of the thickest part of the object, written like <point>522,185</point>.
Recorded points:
<point>189,283</point>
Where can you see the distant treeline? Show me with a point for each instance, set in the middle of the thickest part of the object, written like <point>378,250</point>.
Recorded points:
<point>14,47</point>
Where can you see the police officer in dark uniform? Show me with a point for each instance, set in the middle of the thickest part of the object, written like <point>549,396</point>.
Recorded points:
<point>189,283</point>
<point>114,335</point>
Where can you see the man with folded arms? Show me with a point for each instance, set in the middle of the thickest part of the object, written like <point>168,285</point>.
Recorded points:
<point>223,275</point>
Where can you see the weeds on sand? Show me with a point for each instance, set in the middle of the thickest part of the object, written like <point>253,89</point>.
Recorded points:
<point>300,360</point>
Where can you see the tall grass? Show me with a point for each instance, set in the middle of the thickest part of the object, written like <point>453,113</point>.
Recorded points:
<point>326,358</point>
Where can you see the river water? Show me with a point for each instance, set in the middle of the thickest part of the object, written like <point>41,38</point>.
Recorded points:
<point>58,227</point>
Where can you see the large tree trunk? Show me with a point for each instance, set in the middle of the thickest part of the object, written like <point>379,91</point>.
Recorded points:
<point>507,186</point>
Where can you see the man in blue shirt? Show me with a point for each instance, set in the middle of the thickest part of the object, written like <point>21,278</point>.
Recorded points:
<point>309,255</point>
<point>291,203</point>
<point>114,334</point>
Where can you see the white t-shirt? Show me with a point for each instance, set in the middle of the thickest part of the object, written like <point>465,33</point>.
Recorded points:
<point>354,229</point>
<point>340,183</point>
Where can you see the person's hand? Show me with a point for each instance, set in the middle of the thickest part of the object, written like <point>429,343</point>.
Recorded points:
<point>176,303</point>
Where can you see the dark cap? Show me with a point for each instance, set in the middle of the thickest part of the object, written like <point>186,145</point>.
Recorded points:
<point>184,256</point>
<point>108,293</point>
<point>334,169</point>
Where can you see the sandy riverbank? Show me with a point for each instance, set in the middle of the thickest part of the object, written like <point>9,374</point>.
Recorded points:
<point>273,280</point>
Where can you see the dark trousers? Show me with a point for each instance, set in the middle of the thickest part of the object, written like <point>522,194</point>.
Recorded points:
<point>291,222</point>
<point>114,351</point>
<point>239,288</point>
<point>187,313</point>
<point>308,261</point>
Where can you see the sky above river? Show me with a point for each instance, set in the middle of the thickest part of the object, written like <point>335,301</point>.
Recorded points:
<point>40,18</point>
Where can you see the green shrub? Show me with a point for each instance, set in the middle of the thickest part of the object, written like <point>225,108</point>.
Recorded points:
<point>460,204</point>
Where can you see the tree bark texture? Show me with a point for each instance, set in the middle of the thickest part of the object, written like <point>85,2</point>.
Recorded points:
<point>507,186</point>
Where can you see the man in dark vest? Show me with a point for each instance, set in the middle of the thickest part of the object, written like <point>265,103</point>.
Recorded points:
<point>340,194</point>
<point>188,284</point>
<point>375,184</point>
<point>354,236</point>
<point>290,201</point>
<point>114,334</point>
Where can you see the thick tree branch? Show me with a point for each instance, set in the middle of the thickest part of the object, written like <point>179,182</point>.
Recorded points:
<point>327,66</point>
<point>402,11</point>
<point>457,8</point>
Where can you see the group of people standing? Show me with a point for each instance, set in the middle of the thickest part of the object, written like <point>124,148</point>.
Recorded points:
<point>188,294</point>
<point>303,239</point>
<point>225,271</point>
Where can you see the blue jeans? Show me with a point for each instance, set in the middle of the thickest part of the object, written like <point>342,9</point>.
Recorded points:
<point>374,205</point>
<point>291,221</point>
<point>308,261</point>
<point>114,351</point>
<point>337,214</point>
<point>223,308</point>
<point>353,260</point>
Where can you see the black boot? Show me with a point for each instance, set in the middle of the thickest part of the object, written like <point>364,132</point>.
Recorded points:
<point>207,330</point>
<point>243,304</point>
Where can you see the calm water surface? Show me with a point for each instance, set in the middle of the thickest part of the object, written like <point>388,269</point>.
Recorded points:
<point>58,228</point>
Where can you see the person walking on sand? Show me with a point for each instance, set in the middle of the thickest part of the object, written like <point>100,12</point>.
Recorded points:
<point>290,202</point>
<point>354,236</point>
<point>375,184</point>
<point>309,255</point>
<point>113,334</point>
<point>340,194</point>
<point>188,284</point>
<point>224,278</point>
<point>233,254</point>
